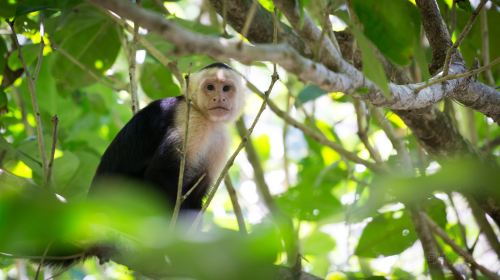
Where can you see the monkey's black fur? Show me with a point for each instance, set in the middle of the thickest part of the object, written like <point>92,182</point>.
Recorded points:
<point>142,151</point>
<point>217,65</point>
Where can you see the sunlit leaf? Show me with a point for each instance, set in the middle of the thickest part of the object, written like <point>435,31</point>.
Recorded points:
<point>386,236</point>
<point>318,243</point>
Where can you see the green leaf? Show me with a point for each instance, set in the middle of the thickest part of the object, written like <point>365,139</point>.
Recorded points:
<point>46,89</point>
<point>473,41</point>
<point>372,67</point>
<point>309,93</point>
<point>157,82</point>
<point>436,208</point>
<point>268,5</point>
<point>317,243</point>
<point>392,25</point>
<point>7,8</point>
<point>312,198</point>
<point>263,145</point>
<point>64,169</point>
<point>78,185</point>
<point>88,36</point>
<point>30,53</point>
<point>29,6</point>
<point>386,235</point>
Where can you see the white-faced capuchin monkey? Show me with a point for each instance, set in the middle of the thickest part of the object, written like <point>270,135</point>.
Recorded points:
<point>147,149</point>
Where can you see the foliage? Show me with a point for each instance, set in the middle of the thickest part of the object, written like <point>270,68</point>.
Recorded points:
<point>348,218</point>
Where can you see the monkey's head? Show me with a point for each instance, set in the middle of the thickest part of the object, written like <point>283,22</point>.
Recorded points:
<point>218,92</point>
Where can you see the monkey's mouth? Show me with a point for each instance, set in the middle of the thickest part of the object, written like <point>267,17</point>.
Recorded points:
<point>219,108</point>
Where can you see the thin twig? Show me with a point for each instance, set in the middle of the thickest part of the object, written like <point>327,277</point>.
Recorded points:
<point>461,227</point>
<point>249,19</point>
<point>485,45</point>
<point>55,123</point>
<point>286,161</point>
<point>461,37</point>
<point>42,260</point>
<point>102,79</point>
<point>397,141</point>
<point>284,223</point>
<point>484,225</point>
<point>318,48</point>
<point>186,195</point>
<point>132,72</point>
<point>178,198</point>
<point>24,115</point>
<point>361,118</point>
<point>42,46</point>
<point>427,242</point>
<point>236,205</point>
<point>34,103</point>
<point>55,258</point>
<point>456,274</point>
<point>164,60</point>
<point>230,161</point>
<point>457,76</point>
<point>466,256</point>
<point>224,17</point>
<point>317,136</point>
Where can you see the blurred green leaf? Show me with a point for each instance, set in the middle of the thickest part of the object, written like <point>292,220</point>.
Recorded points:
<point>88,36</point>
<point>7,9</point>
<point>310,201</point>
<point>157,82</point>
<point>64,169</point>
<point>372,67</point>
<point>268,5</point>
<point>472,43</point>
<point>436,209</point>
<point>317,243</point>
<point>30,53</point>
<point>263,145</point>
<point>397,20</point>
<point>309,93</point>
<point>386,235</point>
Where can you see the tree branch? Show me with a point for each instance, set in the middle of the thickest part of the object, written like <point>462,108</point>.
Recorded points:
<point>236,205</point>
<point>186,42</point>
<point>34,103</point>
<point>435,31</point>
<point>467,257</point>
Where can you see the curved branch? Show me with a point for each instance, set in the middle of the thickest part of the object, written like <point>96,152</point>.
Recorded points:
<point>404,98</point>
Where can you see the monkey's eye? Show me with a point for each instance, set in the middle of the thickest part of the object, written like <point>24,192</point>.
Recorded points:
<point>210,87</point>
<point>226,88</point>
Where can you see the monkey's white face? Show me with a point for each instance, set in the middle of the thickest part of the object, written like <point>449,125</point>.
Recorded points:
<point>219,94</point>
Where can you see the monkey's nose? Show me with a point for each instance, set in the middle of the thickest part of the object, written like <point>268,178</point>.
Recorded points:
<point>219,99</point>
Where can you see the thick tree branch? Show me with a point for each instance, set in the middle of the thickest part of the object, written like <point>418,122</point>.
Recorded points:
<point>187,42</point>
<point>435,31</point>
<point>259,31</point>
